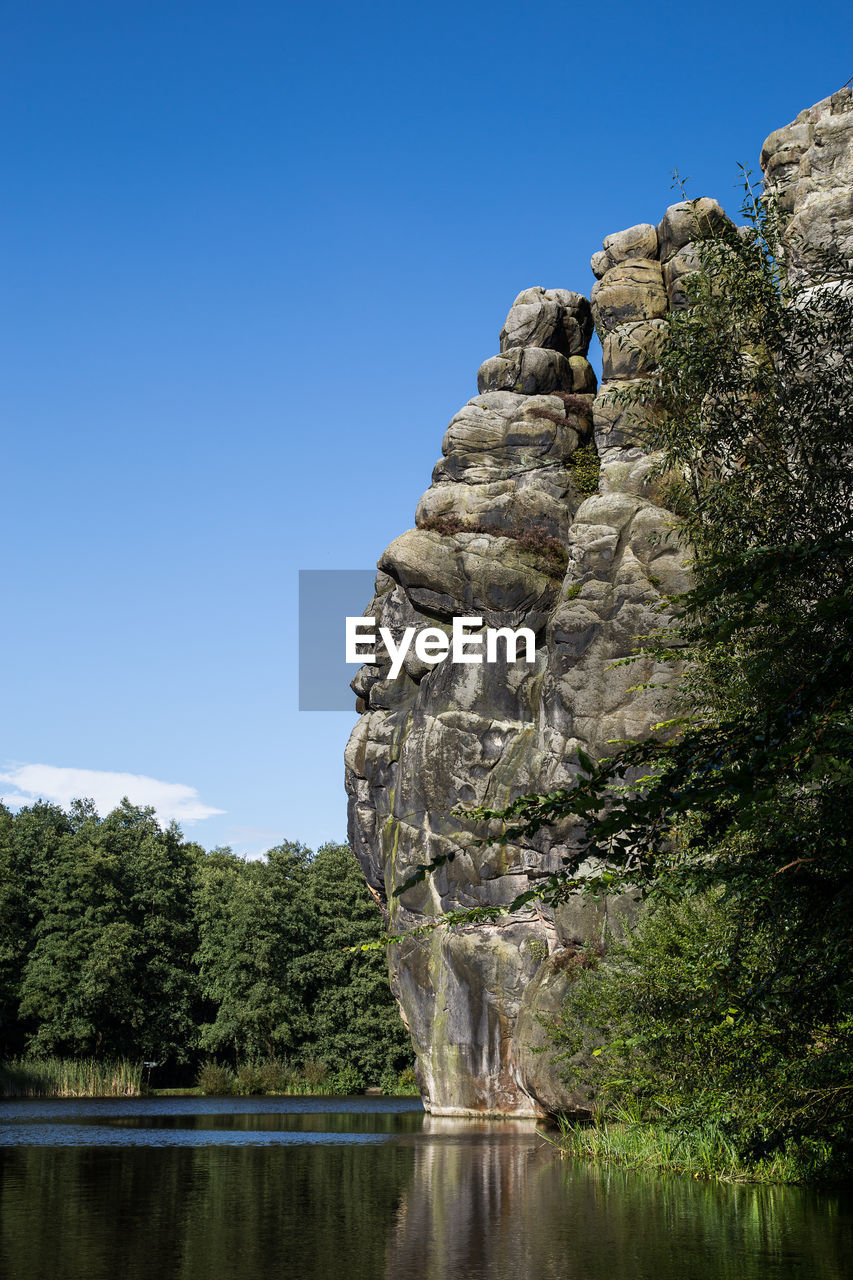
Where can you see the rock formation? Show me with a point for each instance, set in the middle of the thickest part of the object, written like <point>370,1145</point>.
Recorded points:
<point>517,529</point>
<point>808,165</point>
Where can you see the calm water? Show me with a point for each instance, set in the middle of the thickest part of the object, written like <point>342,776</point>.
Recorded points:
<point>273,1189</point>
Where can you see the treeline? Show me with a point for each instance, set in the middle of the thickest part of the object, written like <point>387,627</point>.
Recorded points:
<point>122,940</point>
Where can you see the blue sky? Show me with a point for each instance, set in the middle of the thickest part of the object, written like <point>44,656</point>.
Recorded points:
<point>253,256</point>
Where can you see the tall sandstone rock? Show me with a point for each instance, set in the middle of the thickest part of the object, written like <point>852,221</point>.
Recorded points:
<point>808,165</point>
<point>509,532</point>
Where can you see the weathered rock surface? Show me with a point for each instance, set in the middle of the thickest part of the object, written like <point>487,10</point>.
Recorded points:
<point>535,371</point>
<point>631,290</point>
<point>686,222</point>
<point>553,318</point>
<point>809,166</point>
<point>507,532</point>
<point>506,461</point>
<point>640,241</point>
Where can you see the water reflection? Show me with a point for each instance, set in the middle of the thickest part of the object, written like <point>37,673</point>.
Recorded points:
<point>483,1204</point>
<point>368,1190</point>
<point>197,1122</point>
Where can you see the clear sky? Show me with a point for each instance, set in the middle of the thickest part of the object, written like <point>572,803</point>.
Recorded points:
<point>252,257</point>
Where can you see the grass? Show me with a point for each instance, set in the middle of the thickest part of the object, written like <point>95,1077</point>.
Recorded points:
<point>88,1078</point>
<point>706,1153</point>
<point>188,1091</point>
<point>70,1078</point>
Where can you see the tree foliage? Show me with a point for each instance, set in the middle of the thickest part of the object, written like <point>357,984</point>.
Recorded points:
<point>281,966</point>
<point>252,927</point>
<point>109,916</point>
<point>351,1018</point>
<point>119,939</point>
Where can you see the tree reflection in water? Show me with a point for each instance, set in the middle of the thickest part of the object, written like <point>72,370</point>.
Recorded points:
<point>292,1193</point>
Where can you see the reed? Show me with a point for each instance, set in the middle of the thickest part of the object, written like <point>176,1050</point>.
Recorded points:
<point>704,1153</point>
<point>70,1078</point>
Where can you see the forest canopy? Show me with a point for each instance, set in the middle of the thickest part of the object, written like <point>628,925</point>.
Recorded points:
<point>121,939</point>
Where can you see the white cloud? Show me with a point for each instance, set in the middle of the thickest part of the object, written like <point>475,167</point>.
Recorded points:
<point>46,782</point>
<point>251,842</point>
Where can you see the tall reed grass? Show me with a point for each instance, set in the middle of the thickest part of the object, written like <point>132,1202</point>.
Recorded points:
<point>704,1153</point>
<point>69,1078</point>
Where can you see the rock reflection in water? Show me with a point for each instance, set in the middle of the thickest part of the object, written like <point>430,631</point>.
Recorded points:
<point>460,1215</point>
<point>496,1201</point>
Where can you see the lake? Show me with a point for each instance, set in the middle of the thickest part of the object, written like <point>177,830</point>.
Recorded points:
<point>363,1188</point>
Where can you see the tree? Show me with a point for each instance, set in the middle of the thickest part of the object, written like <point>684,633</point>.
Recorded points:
<point>109,970</point>
<point>252,927</point>
<point>353,1019</point>
<point>279,975</point>
<point>121,939</point>
<point>29,842</point>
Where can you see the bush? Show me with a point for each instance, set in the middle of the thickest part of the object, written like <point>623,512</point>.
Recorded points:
<point>346,1080</point>
<point>533,538</point>
<point>577,406</point>
<point>251,1079</point>
<point>395,1084</point>
<point>314,1072</point>
<point>278,1075</point>
<point>542,543</point>
<point>448,525</point>
<point>216,1081</point>
<point>575,403</point>
<point>585,467</point>
<point>674,1031</point>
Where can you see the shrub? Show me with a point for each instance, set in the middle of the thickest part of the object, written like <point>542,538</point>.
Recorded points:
<point>216,1080</point>
<point>314,1072</point>
<point>541,542</point>
<point>448,525</point>
<point>576,406</point>
<point>575,403</point>
<point>408,1081</point>
<point>277,1075</point>
<point>395,1084</point>
<point>533,538</point>
<point>346,1080</point>
<point>251,1079</point>
<point>585,468</point>
<point>675,1027</point>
